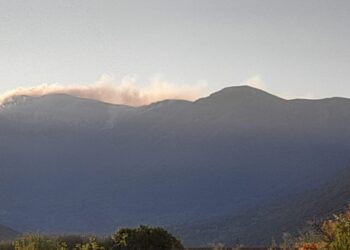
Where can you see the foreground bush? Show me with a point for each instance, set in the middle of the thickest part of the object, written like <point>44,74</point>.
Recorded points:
<point>141,238</point>
<point>333,234</point>
<point>309,246</point>
<point>145,238</point>
<point>37,242</point>
<point>6,246</point>
<point>93,244</point>
<point>336,232</point>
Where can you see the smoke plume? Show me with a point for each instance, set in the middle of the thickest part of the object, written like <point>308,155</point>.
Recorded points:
<point>128,92</point>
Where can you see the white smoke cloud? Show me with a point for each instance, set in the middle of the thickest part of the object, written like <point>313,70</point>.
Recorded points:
<point>128,92</point>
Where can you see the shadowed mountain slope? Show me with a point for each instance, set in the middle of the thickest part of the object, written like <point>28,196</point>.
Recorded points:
<point>7,233</point>
<point>258,224</point>
<point>76,165</point>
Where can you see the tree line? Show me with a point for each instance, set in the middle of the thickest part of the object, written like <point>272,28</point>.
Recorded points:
<point>140,238</point>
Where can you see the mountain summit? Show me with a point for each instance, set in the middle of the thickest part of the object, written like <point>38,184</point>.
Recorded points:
<point>241,93</point>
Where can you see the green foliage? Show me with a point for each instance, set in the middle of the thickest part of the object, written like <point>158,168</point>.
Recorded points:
<point>336,232</point>
<point>37,242</point>
<point>72,241</point>
<point>145,238</point>
<point>333,234</point>
<point>91,245</point>
<point>6,246</point>
<point>141,238</point>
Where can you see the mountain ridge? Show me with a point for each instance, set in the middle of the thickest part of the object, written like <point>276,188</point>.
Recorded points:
<point>7,234</point>
<point>84,166</point>
<point>232,91</point>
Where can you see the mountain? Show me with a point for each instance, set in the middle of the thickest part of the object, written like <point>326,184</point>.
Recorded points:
<point>62,110</point>
<point>7,233</point>
<point>76,165</point>
<point>265,221</point>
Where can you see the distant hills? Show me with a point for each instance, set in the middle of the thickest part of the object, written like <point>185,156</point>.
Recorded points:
<point>237,160</point>
<point>7,233</point>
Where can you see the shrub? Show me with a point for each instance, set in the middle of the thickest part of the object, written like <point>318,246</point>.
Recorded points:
<point>141,238</point>
<point>72,241</point>
<point>145,238</point>
<point>336,232</point>
<point>6,246</point>
<point>37,242</point>
<point>333,234</point>
<point>308,246</point>
<point>91,245</point>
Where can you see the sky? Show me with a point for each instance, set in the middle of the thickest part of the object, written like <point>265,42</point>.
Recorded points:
<point>296,48</point>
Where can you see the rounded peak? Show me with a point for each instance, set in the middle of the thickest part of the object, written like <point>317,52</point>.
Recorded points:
<point>242,93</point>
<point>242,89</point>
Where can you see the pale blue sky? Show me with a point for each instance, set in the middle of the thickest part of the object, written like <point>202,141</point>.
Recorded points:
<point>298,47</point>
